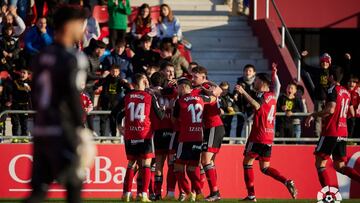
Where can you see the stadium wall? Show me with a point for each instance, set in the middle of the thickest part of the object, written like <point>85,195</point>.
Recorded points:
<point>105,179</point>
<point>315,14</point>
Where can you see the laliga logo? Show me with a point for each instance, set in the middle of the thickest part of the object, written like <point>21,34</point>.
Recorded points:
<point>329,195</point>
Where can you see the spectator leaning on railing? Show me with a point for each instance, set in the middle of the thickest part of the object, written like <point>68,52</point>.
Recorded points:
<point>227,106</point>
<point>288,126</point>
<point>19,99</point>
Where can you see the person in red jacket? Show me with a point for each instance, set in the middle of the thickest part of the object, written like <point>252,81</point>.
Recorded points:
<point>261,137</point>
<point>334,132</point>
<point>139,109</point>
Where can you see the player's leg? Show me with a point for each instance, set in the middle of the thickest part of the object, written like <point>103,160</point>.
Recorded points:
<point>182,157</point>
<point>207,161</point>
<point>152,180</point>
<point>170,178</point>
<point>249,177</point>
<point>323,150</point>
<point>73,188</point>
<point>40,178</point>
<point>160,160</point>
<point>129,176</point>
<point>275,174</point>
<point>339,156</point>
<point>193,172</point>
<point>146,177</point>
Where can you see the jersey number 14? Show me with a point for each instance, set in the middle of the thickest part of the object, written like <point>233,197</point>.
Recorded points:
<point>137,111</point>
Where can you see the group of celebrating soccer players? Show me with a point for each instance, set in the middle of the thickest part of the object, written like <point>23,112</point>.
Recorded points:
<point>178,120</point>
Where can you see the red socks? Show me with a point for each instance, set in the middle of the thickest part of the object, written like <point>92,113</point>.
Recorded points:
<point>183,184</point>
<point>211,177</point>
<point>351,173</point>
<point>274,174</point>
<point>158,184</point>
<point>194,177</point>
<point>129,176</point>
<point>146,172</point>
<point>171,179</point>
<point>202,177</point>
<point>323,177</point>
<point>249,179</point>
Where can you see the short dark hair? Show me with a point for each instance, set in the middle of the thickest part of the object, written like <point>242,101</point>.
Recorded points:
<point>158,79</point>
<point>166,45</point>
<point>247,66</point>
<point>115,66</point>
<point>264,77</point>
<point>66,13</point>
<point>293,84</point>
<point>120,42</point>
<point>199,69</point>
<point>165,64</point>
<point>224,84</point>
<point>138,77</point>
<point>185,81</point>
<point>193,63</point>
<point>337,73</point>
<point>6,27</point>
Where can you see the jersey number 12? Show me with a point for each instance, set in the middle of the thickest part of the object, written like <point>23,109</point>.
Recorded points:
<point>196,112</point>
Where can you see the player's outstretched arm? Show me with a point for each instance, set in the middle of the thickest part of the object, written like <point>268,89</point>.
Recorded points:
<point>328,110</point>
<point>276,85</point>
<point>252,101</point>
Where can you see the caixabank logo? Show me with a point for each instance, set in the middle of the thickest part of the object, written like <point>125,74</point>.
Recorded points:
<point>329,195</point>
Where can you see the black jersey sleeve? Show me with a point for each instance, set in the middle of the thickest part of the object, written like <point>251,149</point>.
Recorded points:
<point>156,108</point>
<point>176,110</point>
<point>331,94</point>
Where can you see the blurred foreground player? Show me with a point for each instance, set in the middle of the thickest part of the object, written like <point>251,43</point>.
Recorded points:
<point>261,136</point>
<point>334,130</point>
<point>60,141</point>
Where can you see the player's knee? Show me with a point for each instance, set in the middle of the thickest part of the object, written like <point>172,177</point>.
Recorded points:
<point>264,170</point>
<point>247,166</point>
<point>320,169</point>
<point>208,166</point>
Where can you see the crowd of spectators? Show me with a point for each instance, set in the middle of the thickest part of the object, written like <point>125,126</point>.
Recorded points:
<point>145,45</point>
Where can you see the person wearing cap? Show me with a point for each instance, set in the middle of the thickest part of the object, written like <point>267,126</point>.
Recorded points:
<point>319,76</point>
<point>119,58</point>
<point>145,57</point>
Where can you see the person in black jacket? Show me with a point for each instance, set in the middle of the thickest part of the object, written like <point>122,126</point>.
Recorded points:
<point>58,133</point>
<point>227,106</point>
<point>247,82</point>
<point>319,76</point>
<point>288,103</point>
<point>19,99</point>
<point>145,57</point>
<point>10,49</point>
<point>113,89</point>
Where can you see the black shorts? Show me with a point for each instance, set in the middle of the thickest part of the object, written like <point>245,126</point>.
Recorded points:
<point>335,146</point>
<point>139,149</point>
<point>162,140</point>
<point>213,138</point>
<point>258,151</point>
<point>189,153</point>
<point>174,142</point>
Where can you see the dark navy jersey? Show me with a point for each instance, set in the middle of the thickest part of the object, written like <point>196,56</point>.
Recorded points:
<point>58,75</point>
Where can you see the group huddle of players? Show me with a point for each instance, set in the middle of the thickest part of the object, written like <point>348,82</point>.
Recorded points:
<point>179,120</point>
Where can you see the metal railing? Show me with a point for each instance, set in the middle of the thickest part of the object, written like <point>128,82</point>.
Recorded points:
<point>285,33</point>
<point>247,128</point>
